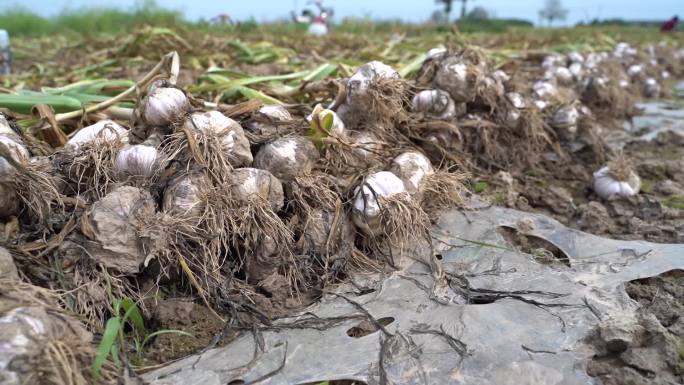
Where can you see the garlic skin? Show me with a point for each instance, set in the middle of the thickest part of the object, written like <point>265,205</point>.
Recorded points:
<point>382,184</point>
<point>17,152</point>
<point>358,83</point>
<point>137,160</point>
<point>434,103</point>
<point>234,143</point>
<point>164,106</point>
<point>412,168</point>
<point>104,130</point>
<point>609,188</point>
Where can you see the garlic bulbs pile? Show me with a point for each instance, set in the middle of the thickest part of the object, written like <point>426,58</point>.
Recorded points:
<point>434,103</point>
<point>616,180</point>
<point>412,168</point>
<point>379,185</point>
<point>164,106</point>
<point>104,130</point>
<point>233,142</point>
<point>288,157</point>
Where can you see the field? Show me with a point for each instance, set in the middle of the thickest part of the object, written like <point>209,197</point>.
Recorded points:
<point>168,230</point>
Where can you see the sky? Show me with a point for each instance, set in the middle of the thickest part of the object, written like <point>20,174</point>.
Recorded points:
<point>408,10</point>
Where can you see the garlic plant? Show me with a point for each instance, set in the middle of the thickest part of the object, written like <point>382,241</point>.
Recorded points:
<point>164,106</point>
<point>256,186</point>
<point>436,104</point>
<point>616,180</point>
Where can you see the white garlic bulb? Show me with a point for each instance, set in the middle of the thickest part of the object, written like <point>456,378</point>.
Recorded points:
<point>434,103</point>
<point>500,76</point>
<point>164,106</point>
<point>634,70</point>
<point>575,57</point>
<point>412,167</point>
<point>576,70</point>
<point>5,126</point>
<point>544,90</point>
<point>358,83</point>
<point>607,186</point>
<point>104,130</point>
<point>272,115</point>
<point>137,159</point>
<point>435,52</point>
<point>287,157</point>
<point>565,117</point>
<point>540,104</point>
<point>651,88</point>
<point>183,196</point>
<point>383,184</point>
<point>16,150</point>
<point>452,76</point>
<point>563,76</point>
<point>516,100</point>
<point>253,184</point>
<point>234,143</point>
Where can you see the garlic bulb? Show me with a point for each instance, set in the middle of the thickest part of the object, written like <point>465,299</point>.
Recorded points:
<point>500,76</point>
<point>575,57</point>
<point>383,184</point>
<point>435,52</point>
<point>184,197</point>
<point>563,76</point>
<point>288,157</point>
<point>412,167</point>
<point>565,117</point>
<point>540,104</point>
<point>104,130</point>
<point>634,70</point>
<point>267,119</point>
<point>358,83</point>
<point>609,186</point>
<point>137,159</point>
<point>337,127</point>
<point>512,117</point>
<point>552,61</point>
<point>5,127</point>
<point>576,70</point>
<point>452,76</point>
<point>434,103</point>
<point>366,146</point>
<point>544,90</point>
<point>516,100</point>
<point>15,150</point>
<point>234,143</point>
<point>250,184</point>
<point>164,106</point>
<point>651,88</point>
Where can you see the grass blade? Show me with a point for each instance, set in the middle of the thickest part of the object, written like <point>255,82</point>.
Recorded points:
<point>108,338</point>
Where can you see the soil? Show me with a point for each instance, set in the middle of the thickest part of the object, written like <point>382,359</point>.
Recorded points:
<point>653,352</point>
<point>181,314</point>
<point>563,190</point>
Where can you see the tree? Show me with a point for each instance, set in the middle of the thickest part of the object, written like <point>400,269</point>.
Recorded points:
<point>553,10</point>
<point>448,6</point>
<point>478,13</point>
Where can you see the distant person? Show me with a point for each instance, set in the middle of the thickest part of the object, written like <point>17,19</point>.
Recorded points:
<point>669,25</point>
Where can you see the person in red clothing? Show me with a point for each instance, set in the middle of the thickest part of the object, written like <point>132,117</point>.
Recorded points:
<point>669,25</point>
